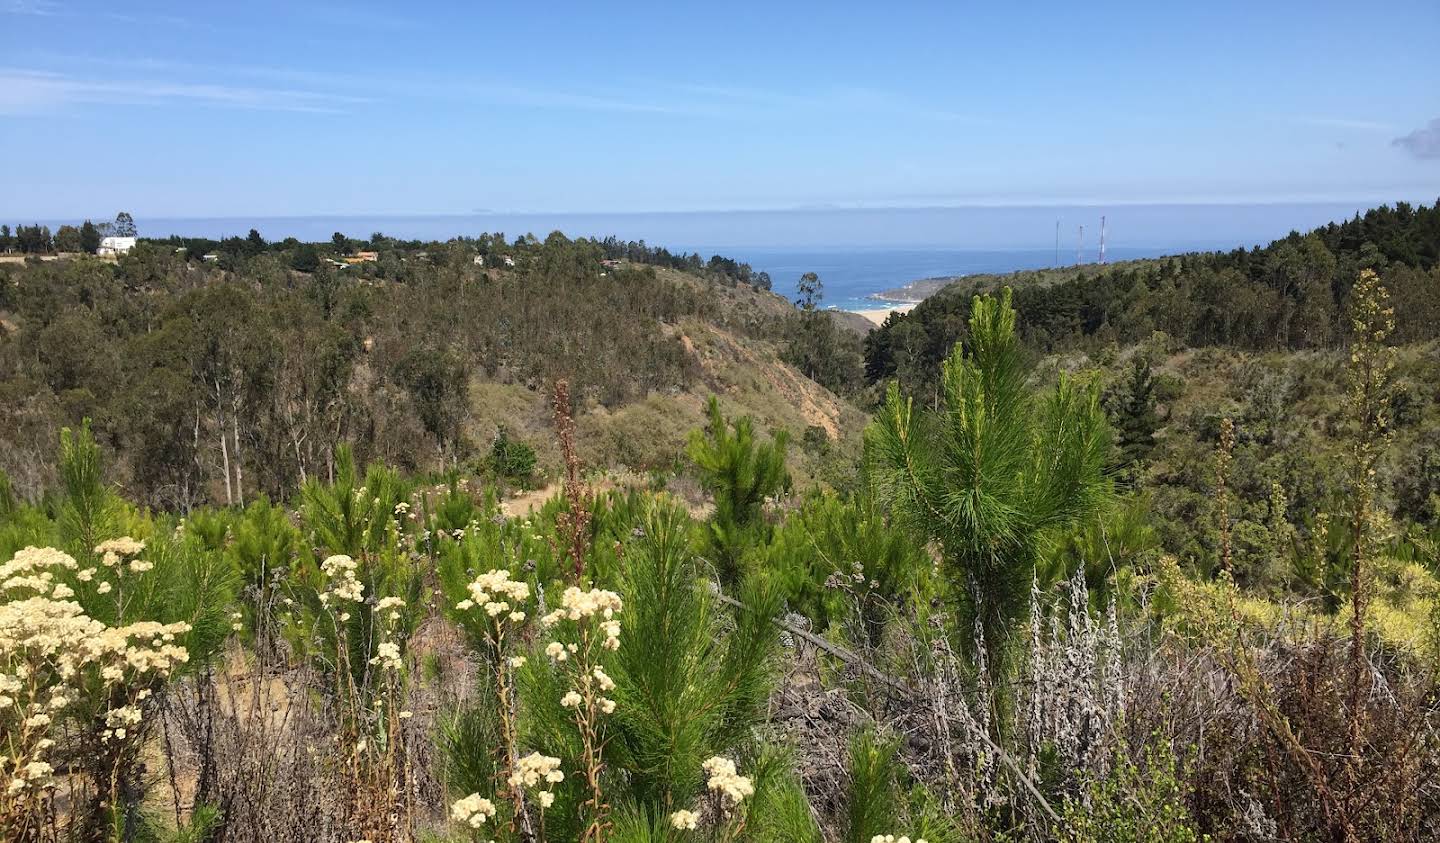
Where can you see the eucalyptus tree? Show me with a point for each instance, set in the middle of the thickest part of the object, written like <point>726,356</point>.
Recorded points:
<point>993,471</point>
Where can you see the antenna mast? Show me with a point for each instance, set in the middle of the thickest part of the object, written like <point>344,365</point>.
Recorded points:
<point>1079,245</point>
<point>1102,238</point>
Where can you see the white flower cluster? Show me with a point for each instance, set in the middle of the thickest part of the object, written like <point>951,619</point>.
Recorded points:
<point>387,655</point>
<point>596,681</point>
<point>31,570</point>
<point>51,652</point>
<point>344,585</point>
<point>474,810</point>
<point>577,605</point>
<point>536,769</point>
<point>890,838</point>
<point>118,720</point>
<point>723,778</point>
<point>390,607</point>
<point>684,820</point>
<point>496,594</point>
<point>111,552</point>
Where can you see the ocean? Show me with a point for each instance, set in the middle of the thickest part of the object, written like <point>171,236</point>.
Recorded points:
<point>853,277</point>
<point>856,251</point>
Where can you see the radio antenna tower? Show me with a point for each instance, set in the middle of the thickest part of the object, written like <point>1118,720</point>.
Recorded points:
<point>1079,246</point>
<point>1102,238</point>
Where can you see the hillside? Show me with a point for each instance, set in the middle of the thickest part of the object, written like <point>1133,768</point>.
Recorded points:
<point>1291,294</point>
<point>215,380</point>
<point>919,290</point>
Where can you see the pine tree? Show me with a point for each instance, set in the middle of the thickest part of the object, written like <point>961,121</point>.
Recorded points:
<point>1134,415</point>
<point>996,468</point>
<point>740,473</point>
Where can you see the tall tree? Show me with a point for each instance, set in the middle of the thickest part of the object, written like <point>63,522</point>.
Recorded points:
<point>994,469</point>
<point>124,225</point>
<point>89,237</point>
<point>67,239</point>
<point>1133,414</point>
<point>816,347</point>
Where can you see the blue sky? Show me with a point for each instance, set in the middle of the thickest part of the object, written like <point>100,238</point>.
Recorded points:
<point>274,108</point>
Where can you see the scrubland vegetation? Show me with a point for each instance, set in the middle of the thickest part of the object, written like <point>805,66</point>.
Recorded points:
<point>1109,581</point>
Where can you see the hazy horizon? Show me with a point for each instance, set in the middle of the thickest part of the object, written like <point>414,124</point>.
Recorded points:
<point>1190,226</point>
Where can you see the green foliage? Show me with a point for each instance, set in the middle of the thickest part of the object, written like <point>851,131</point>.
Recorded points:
<point>844,562</point>
<point>170,353</point>
<point>467,741</point>
<point>872,794</point>
<point>817,347</point>
<point>264,542</point>
<point>353,515</point>
<point>305,259</point>
<point>362,521</point>
<point>89,511</point>
<point>202,826</point>
<point>1286,295</point>
<point>1117,542</point>
<point>994,471</point>
<point>1136,803</point>
<point>742,474</point>
<point>692,679</point>
<point>511,459</point>
<point>779,812</point>
<point>1132,414</point>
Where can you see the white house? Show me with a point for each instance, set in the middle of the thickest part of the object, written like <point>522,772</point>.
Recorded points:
<point>115,245</point>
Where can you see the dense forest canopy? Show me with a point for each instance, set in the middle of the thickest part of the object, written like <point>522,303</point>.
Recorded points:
<point>199,360</point>
<point>1291,294</point>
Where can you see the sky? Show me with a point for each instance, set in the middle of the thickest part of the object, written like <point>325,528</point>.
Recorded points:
<point>204,109</point>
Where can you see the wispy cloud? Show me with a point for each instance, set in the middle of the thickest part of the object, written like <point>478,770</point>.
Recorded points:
<point>305,89</point>
<point>44,8</point>
<point>89,79</point>
<point>860,101</point>
<point>1346,123</point>
<point>1423,143</point>
<point>25,91</point>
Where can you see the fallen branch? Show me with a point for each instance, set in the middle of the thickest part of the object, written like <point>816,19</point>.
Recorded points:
<point>853,659</point>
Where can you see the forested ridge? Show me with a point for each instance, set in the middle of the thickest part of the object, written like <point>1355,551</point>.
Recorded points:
<point>1290,294</point>
<point>247,360</point>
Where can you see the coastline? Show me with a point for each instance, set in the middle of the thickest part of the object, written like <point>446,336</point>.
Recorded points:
<point>878,314</point>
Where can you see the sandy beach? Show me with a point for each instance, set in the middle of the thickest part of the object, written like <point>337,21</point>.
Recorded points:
<point>878,314</point>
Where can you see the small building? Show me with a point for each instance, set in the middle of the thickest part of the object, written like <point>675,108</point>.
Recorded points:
<point>112,246</point>
<point>509,261</point>
<point>478,260</point>
<point>210,257</point>
<point>610,263</point>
